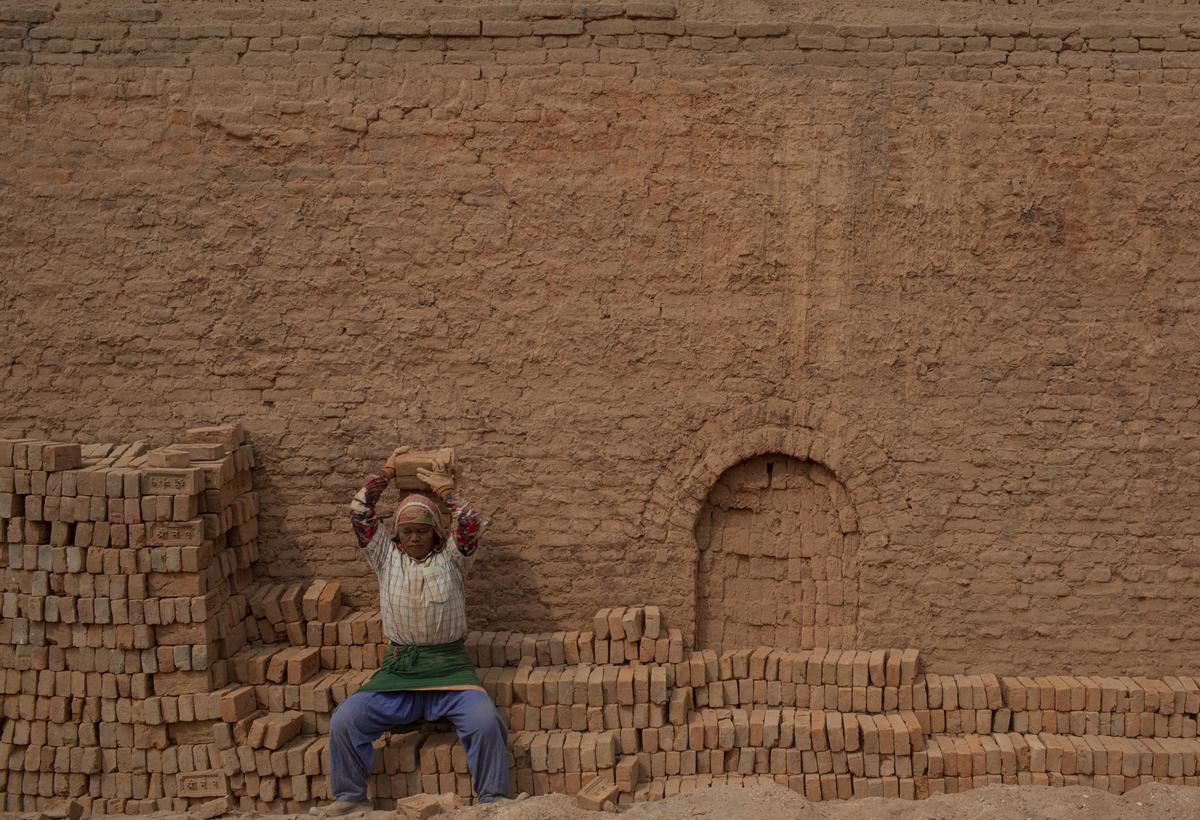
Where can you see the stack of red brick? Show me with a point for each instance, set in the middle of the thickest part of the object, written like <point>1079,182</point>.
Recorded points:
<point>145,668</point>
<point>121,572</point>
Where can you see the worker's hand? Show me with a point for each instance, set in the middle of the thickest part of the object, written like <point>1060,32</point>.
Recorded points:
<point>437,477</point>
<point>389,469</point>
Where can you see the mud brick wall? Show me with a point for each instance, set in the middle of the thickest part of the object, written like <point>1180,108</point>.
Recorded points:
<point>611,252</point>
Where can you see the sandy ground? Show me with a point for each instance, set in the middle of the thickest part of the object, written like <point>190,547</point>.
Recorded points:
<point>772,802</point>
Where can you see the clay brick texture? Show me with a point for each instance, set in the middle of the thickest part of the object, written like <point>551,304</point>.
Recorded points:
<point>770,534</point>
<point>941,254</point>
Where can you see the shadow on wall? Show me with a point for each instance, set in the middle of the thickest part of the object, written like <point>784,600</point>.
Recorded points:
<point>778,557</point>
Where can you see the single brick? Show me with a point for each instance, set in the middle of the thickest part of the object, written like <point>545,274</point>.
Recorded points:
<point>762,30</point>
<point>404,28</point>
<point>135,14</point>
<point>658,11</point>
<point>455,28</point>
<point>600,11</point>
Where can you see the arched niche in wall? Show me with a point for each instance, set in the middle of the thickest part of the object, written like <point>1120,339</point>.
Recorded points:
<point>777,563</point>
<point>794,430</point>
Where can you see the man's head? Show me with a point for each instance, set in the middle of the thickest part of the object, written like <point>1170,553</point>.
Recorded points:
<point>417,528</point>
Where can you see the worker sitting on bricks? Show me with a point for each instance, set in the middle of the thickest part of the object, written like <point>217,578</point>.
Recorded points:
<point>427,674</point>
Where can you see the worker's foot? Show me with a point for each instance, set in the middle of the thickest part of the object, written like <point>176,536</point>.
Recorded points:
<point>501,798</point>
<point>341,808</point>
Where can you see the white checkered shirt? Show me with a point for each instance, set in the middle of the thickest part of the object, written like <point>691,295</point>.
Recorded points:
<point>420,602</point>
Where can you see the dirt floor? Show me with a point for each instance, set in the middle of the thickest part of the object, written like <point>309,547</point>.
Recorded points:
<point>772,802</point>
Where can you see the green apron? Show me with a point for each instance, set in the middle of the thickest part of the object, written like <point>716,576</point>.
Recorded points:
<point>423,667</point>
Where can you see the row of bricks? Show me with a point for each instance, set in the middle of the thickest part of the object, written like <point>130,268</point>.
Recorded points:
<point>581,713</point>
<point>145,508</point>
<point>1114,784</point>
<point>140,790</point>
<point>1117,724</point>
<point>154,657</point>
<point>65,567</point>
<point>153,585</point>
<point>609,686</point>
<point>317,698</point>
<point>626,775</point>
<point>746,692</point>
<point>104,17</point>
<point>630,623</point>
<point>124,692</point>
<point>106,735</point>
<point>1008,754</point>
<point>56,510</point>
<point>134,608</point>
<point>130,496</point>
<point>33,453</point>
<point>33,686</point>
<point>259,730</point>
<point>79,571</point>
<point>95,760</point>
<point>346,628</point>
<point>631,742</point>
<point>883,667</point>
<point>619,69</point>
<point>500,649</point>
<point>777,762</point>
<point>586,684</point>
<point>229,473</point>
<point>563,765</point>
<point>697,735</point>
<point>559,51</point>
<point>895,733</point>
<point>421,751</point>
<point>691,738</point>
<point>508,28</point>
<point>815,787</point>
<point>30,486</point>
<point>280,603</point>
<point>43,456</point>
<point>133,523</point>
<point>58,721</point>
<point>1168,696</point>
<point>252,665</point>
<point>59,469</point>
<point>43,645</point>
<point>113,735</point>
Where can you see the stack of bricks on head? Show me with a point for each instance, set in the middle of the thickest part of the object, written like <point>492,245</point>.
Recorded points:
<point>145,665</point>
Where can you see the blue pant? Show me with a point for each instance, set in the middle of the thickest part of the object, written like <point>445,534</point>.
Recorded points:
<point>364,716</point>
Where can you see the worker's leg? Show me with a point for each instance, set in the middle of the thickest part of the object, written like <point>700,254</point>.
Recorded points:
<point>355,725</point>
<point>483,734</point>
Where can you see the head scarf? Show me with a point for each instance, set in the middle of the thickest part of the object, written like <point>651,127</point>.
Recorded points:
<point>417,509</point>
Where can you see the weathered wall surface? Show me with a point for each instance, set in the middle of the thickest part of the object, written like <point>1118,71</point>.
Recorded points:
<point>945,251</point>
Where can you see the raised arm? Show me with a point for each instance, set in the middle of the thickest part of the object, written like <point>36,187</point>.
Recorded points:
<point>362,508</point>
<point>467,524</point>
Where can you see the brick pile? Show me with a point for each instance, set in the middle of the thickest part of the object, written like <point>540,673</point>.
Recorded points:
<point>627,704</point>
<point>122,567</point>
<point>146,668</point>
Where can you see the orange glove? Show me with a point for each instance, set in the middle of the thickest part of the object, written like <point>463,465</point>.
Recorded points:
<point>437,477</point>
<point>389,469</point>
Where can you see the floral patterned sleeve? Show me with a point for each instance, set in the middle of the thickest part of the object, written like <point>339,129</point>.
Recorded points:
<point>468,524</point>
<point>362,509</point>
